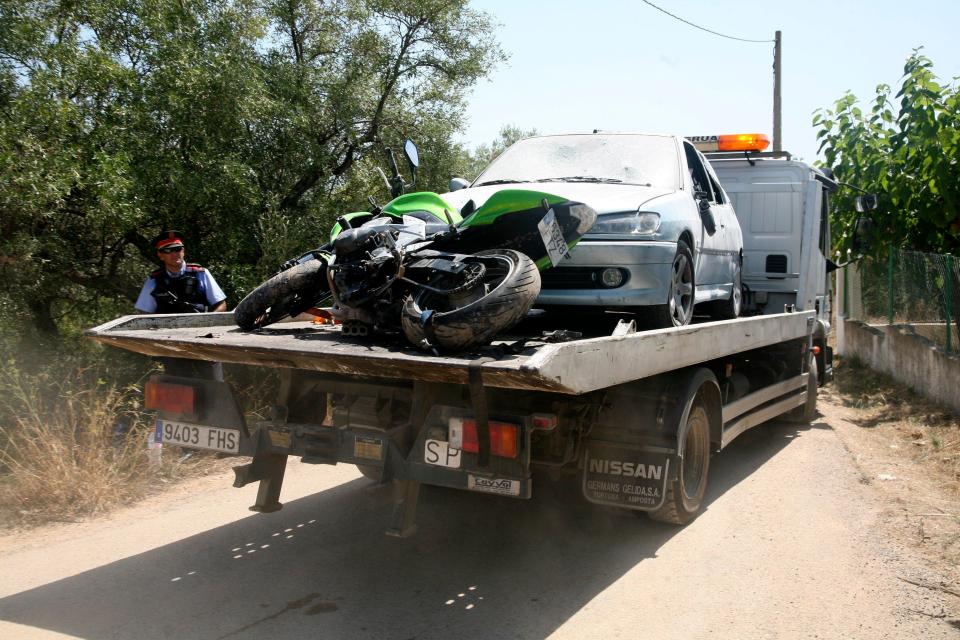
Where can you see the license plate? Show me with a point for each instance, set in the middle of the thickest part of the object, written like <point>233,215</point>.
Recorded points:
<point>440,453</point>
<point>199,436</point>
<point>553,240</point>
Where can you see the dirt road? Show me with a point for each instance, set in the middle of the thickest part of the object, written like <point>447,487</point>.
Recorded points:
<point>795,543</point>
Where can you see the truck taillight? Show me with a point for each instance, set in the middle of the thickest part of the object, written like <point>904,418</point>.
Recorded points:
<point>503,437</point>
<point>169,397</point>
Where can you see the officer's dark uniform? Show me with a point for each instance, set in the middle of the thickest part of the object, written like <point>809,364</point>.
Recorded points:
<point>185,294</point>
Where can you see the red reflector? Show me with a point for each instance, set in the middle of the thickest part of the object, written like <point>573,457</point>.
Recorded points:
<point>171,398</point>
<point>503,437</point>
<point>543,421</point>
<point>816,350</point>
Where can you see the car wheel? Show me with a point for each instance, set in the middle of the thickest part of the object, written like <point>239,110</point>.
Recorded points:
<point>680,296</point>
<point>730,308</point>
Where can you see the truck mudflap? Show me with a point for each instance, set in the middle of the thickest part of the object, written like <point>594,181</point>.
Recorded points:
<point>627,477</point>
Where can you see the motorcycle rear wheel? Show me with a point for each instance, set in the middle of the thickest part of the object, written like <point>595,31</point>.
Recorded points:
<point>287,293</point>
<point>498,301</point>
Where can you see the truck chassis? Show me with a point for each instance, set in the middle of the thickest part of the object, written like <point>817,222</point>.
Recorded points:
<point>636,415</point>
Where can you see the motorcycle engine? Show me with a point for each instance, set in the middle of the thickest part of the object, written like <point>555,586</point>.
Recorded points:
<point>354,241</point>
<point>364,262</point>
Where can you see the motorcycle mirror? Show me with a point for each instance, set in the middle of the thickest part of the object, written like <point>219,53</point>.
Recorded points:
<point>413,155</point>
<point>413,159</point>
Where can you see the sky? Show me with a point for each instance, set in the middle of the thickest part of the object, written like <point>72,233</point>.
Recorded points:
<point>623,66</point>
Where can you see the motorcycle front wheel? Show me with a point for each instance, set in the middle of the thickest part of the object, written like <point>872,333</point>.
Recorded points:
<point>287,293</point>
<point>472,317</point>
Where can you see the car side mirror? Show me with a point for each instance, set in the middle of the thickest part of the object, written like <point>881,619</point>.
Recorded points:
<point>865,202</point>
<point>706,216</point>
<point>864,229</point>
<point>458,183</point>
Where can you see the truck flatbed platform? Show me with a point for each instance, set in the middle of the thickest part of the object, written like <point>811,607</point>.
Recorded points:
<point>574,367</point>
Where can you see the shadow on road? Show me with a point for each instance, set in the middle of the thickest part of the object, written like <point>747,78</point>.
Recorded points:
<point>479,567</point>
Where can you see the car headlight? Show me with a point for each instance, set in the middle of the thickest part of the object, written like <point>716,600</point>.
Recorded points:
<point>641,223</point>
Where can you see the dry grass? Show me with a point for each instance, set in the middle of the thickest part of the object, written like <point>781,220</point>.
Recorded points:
<point>61,455</point>
<point>924,430</point>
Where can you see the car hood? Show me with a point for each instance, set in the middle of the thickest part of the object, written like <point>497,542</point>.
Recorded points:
<point>602,198</point>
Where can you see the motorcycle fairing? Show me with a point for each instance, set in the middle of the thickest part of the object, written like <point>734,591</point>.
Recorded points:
<point>355,219</point>
<point>508,220</point>
<point>421,201</point>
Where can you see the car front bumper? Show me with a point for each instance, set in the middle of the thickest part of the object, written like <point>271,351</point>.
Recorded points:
<point>647,267</point>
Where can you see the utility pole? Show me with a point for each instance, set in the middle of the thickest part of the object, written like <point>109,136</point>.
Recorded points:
<point>777,144</point>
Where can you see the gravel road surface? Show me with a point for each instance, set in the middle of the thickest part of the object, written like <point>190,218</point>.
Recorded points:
<point>791,545</point>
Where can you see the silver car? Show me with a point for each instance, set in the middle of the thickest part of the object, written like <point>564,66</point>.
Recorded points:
<point>666,237</point>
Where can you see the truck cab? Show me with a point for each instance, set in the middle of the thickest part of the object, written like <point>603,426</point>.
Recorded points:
<point>783,206</point>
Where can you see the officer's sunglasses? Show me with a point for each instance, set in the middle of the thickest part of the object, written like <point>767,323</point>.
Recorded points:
<point>170,250</point>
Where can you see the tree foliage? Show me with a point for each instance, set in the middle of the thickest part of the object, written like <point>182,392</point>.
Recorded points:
<point>247,124</point>
<point>908,153</point>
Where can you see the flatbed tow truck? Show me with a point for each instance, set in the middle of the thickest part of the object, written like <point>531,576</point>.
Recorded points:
<point>635,415</point>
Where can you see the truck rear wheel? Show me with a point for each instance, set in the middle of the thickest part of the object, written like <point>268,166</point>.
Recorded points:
<point>807,412</point>
<point>684,494</point>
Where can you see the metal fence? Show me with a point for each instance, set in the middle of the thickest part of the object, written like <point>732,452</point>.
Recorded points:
<point>907,287</point>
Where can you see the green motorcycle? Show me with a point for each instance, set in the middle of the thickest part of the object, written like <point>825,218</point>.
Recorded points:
<point>447,279</point>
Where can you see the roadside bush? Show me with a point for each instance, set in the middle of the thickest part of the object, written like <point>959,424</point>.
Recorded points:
<point>60,454</point>
<point>73,445</point>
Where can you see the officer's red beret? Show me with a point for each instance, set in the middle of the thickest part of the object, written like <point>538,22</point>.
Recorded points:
<point>168,238</point>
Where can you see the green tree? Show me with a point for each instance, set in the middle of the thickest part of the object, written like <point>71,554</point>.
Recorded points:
<point>907,153</point>
<point>247,124</point>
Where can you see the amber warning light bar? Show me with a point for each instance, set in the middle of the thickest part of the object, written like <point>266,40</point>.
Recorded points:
<point>731,142</point>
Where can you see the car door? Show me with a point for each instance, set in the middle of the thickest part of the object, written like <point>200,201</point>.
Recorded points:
<point>729,239</point>
<point>707,257</point>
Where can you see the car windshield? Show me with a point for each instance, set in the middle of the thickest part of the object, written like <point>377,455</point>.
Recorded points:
<point>627,159</point>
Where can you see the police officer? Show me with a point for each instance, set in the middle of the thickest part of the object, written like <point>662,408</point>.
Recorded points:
<point>179,287</point>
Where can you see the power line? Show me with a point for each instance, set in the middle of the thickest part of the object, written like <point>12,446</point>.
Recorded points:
<point>716,33</point>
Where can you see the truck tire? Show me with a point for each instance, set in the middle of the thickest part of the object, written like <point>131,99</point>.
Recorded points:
<point>509,287</point>
<point>680,299</point>
<point>807,412</point>
<point>285,294</point>
<point>684,494</point>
